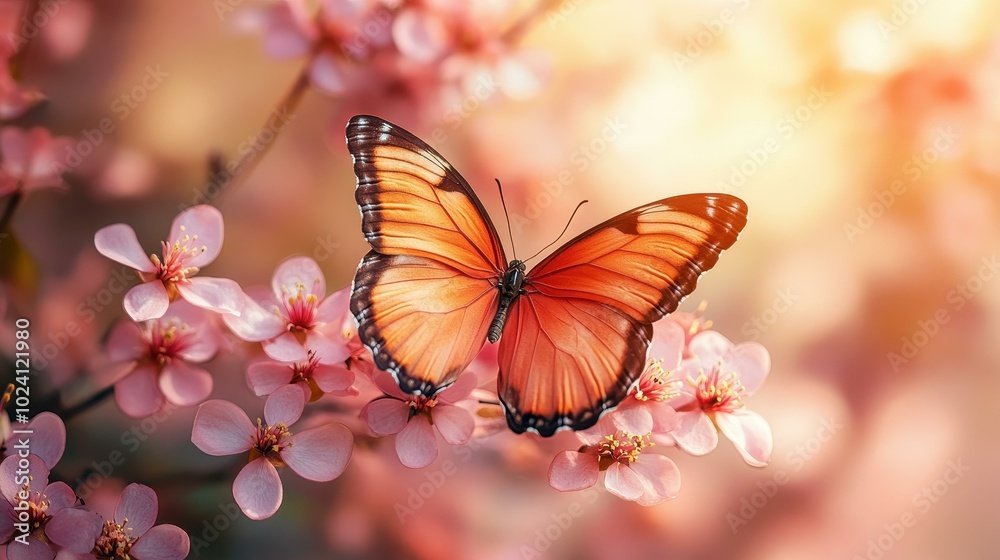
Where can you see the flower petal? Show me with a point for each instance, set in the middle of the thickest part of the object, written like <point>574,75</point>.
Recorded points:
<point>185,385</point>
<point>49,439</point>
<point>217,294</point>
<point>385,416</point>
<point>124,342</point>
<point>76,529</point>
<point>416,445</point>
<point>221,428</point>
<point>751,361</point>
<point>420,34</point>
<point>633,417</point>
<point>661,479</point>
<point>384,381</point>
<point>455,424</point>
<point>257,489</point>
<point>199,227</point>
<point>35,550</point>
<point>622,482</point>
<point>320,453</point>
<point>327,73</point>
<point>256,322</point>
<point>298,271</point>
<point>335,307</point>
<point>60,496</point>
<point>709,347</point>
<point>334,379</point>
<point>146,301</point>
<point>458,390</point>
<point>119,243</point>
<point>667,343</point>
<point>37,472</point>
<point>750,433</point>
<point>285,348</point>
<point>267,376</point>
<point>139,505</point>
<point>284,406</point>
<point>571,471</point>
<point>138,394</point>
<point>163,542</point>
<point>695,433</point>
<point>329,349</point>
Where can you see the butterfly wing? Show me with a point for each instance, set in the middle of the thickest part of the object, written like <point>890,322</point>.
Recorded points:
<point>425,295</point>
<point>577,337</point>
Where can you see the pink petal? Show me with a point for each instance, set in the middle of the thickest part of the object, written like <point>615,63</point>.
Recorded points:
<point>622,482</point>
<point>257,489</point>
<point>185,385</point>
<point>695,433</point>
<point>119,243</point>
<point>329,350</point>
<point>60,496</point>
<point>35,550</point>
<point>284,406</point>
<point>750,433</point>
<point>76,529</point>
<point>386,416</point>
<point>15,151</point>
<point>335,307</point>
<point>288,34</point>
<point>37,471</point>
<point>455,424</point>
<point>217,294</point>
<point>458,390</point>
<point>384,381</point>
<point>139,505</point>
<point>327,73</point>
<point>751,361</point>
<point>255,322</point>
<point>320,453</point>
<point>523,73</point>
<point>420,34</point>
<point>294,271</point>
<point>202,227</point>
<point>7,515</point>
<point>285,348</point>
<point>146,301</point>
<point>667,343</point>
<point>265,377</point>
<point>49,439</point>
<point>138,394</point>
<point>665,418</point>
<point>333,379</point>
<point>571,471</point>
<point>416,445</point>
<point>124,342</point>
<point>221,428</point>
<point>163,542</point>
<point>633,417</point>
<point>661,479</point>
<point>709,347</point>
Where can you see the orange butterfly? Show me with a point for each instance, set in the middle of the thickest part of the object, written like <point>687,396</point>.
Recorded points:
<point>575,329</point>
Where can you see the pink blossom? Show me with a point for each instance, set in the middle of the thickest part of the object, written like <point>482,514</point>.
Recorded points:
<point>715,381</point>
<point>294,318</point>
<point>315,379</point>
<point>131,534</point>
<point>692,323</point>
<point>195,241</point>
<point>154,360</point>
<point>30,159</point>
<point>415,418</point>
<point>55,521</point>
<point>646,408</point>
<point>320,454</point>
<point>631,472</point>
<point>47,440</point>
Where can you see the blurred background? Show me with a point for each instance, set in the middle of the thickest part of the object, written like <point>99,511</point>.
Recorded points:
<point>864,136</point>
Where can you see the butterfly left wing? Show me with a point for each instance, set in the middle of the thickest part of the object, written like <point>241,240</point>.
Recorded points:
<point>576,339</point>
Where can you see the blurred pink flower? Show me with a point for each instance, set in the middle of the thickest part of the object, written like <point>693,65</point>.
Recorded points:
<point>154,359</point>
<point>294,318</point>
<point>320,454</point>
<point>47,440</point>
<point>645,409</point>
<point>711,398</point>
<point>629,472</point>
<point>54,519</point>
<point>691,323</point>
<point>131,533</point>
<point>30,159</point>
<point>195,241</point>
<point>414,418</point>
<point>15,99</point>
<point>315,379</point>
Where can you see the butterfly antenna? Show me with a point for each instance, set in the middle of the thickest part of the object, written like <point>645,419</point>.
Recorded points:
<point>568,222</point>
<point>506,217</point>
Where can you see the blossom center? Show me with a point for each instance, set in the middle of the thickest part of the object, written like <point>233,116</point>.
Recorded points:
<point>653,384</point>
<point>269,441</point>
<point>173,268</point>
<point>718,391</point>
<point>621,447</point>
<point>420,404</point>
<point>300,307</point>
<point>165,340</point>
<point>38,517</point>
<point>115,540</point>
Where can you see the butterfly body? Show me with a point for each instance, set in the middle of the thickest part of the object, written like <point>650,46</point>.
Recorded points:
<point>576,328</point>
<point>510,287</point>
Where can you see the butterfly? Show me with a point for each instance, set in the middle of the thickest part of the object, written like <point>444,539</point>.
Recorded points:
<point>573,331</point>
